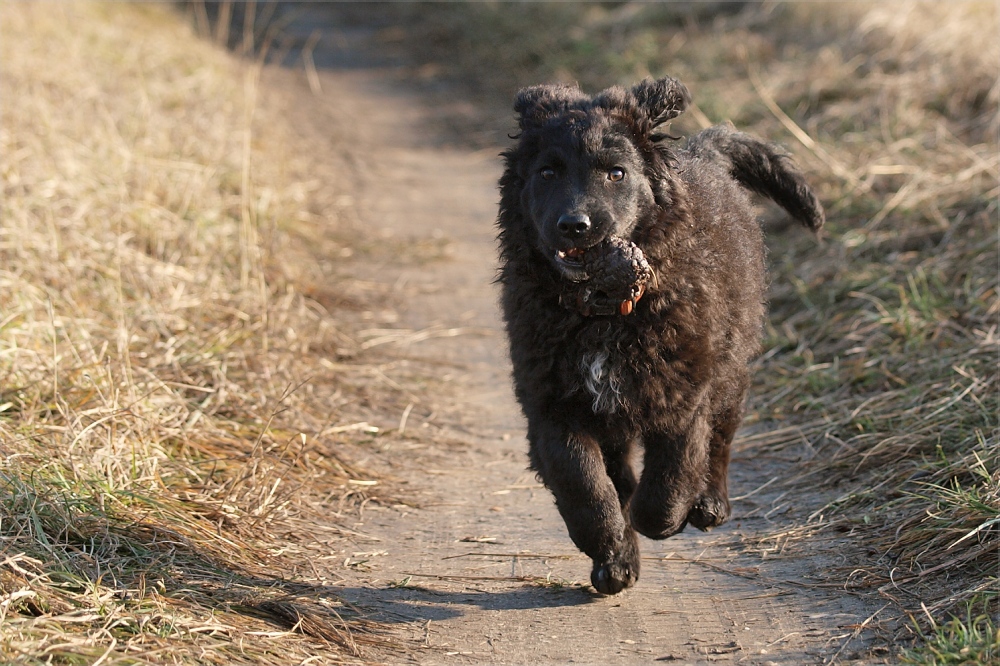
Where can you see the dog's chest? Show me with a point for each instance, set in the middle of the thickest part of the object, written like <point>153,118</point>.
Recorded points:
<point>602,356</point>
<point>603,380</point>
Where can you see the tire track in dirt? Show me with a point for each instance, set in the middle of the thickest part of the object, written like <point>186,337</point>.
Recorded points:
<point>484,571</point>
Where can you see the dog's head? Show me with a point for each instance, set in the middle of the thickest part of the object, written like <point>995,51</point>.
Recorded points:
<point>583,163</point>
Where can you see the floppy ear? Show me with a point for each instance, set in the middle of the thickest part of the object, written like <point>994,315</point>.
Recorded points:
<point>536,104</point>
<point>661,99</point>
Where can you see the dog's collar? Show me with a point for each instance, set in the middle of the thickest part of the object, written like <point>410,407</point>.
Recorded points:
<point>589,304</point>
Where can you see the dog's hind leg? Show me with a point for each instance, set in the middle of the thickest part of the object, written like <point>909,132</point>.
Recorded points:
<point>711,509</point>
<point>572,466</point>
<point>617,452</point>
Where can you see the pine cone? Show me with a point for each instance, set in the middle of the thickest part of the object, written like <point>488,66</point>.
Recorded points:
<point>617,273</point>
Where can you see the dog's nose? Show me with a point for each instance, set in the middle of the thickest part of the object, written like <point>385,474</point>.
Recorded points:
<point>573,226</point>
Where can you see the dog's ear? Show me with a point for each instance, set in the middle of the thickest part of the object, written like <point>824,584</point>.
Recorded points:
<point>536,104</point>
<point>649,103</point>
<point>661,100</point>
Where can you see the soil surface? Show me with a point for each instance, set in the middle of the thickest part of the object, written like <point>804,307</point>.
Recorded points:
<point>480,569</point>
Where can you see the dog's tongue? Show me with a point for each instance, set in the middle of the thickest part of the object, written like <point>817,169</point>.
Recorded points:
<point>575,252</point>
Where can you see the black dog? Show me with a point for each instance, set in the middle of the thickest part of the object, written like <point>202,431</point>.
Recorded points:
<point>633,288</point>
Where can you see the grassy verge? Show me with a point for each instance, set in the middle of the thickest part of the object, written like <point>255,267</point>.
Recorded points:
<point>880,368</point>
<point>165,476</point>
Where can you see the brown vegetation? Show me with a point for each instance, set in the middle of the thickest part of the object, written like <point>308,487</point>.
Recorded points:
<point>161,458</point>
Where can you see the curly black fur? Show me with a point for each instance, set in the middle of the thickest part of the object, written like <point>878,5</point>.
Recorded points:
<point>672,376</point>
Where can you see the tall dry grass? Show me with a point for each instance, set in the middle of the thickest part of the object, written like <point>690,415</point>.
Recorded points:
<point>159,456</point>
<point>884,346</point>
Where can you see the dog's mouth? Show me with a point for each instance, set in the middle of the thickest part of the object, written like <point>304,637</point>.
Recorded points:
<point>570,263</point>
<point>604,279</point>
<point>572,256</point>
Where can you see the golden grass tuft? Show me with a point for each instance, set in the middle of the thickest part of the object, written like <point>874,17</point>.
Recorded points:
<point>162,467</point>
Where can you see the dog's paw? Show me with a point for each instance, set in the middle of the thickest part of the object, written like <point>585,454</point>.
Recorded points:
<point>621,571</point>
<point>710,510</point>
<point>654,519</point>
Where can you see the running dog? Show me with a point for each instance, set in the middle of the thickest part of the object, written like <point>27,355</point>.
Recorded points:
<point>633,291</point>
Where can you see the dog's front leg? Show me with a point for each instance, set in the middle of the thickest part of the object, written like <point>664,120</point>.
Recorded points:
<point>675,475</point>
<point>571,465</point>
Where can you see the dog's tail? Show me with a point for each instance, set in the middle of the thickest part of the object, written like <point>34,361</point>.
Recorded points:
<point>762,168</point>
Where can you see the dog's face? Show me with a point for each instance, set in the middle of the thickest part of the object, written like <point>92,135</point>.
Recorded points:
<point>585,185</point>
<point>582,163</point>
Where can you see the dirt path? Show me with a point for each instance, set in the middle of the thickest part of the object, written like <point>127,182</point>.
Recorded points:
<point>484,570</point>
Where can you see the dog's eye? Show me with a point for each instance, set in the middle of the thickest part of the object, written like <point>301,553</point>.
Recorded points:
<point>547,173</point>
<point>616,174</point>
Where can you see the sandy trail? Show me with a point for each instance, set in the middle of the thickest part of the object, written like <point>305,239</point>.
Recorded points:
<point>483,571</point>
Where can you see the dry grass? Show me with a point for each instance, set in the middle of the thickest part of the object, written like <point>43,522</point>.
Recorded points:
<point>884,345</point>
<point>880,370</point>
<point>162,466</point>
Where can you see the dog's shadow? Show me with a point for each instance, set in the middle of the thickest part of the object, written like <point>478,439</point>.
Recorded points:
<point>415,602</point>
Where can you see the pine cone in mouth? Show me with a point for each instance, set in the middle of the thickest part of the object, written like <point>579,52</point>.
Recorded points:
<point>616,277</point>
